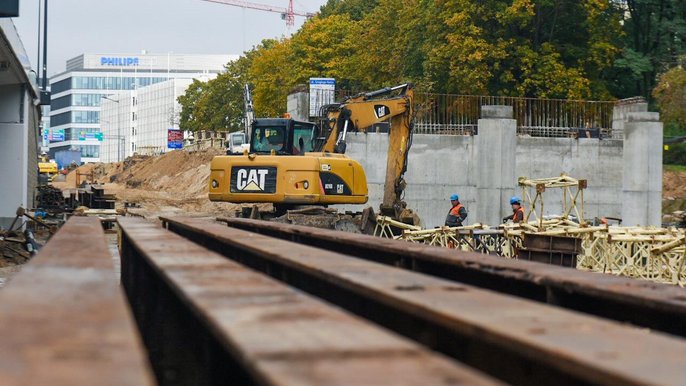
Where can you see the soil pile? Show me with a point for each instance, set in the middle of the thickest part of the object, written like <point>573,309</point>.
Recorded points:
<point>674,196</point>
<point>674,184</point>
<point>173,183</point>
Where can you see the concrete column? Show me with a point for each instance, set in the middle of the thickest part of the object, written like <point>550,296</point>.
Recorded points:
<point>495,167</point>
<point>298,106</point>
<point>620,114</point>
<point>642,177</point>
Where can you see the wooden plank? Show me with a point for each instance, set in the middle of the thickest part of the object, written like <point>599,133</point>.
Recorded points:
<point>656,306</point>
<point>533,341</point>
<point>275,334</point>
<point>64,319</point>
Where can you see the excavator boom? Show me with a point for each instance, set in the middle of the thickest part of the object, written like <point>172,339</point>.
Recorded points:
<point>360,113</point>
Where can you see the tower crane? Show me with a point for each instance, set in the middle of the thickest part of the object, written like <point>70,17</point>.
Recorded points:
<point>287,14</point>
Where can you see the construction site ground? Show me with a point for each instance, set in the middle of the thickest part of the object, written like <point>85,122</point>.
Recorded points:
<point>172,183</point>
<point>177,182</point>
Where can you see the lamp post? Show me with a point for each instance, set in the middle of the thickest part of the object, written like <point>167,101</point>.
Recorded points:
<point>118,127</point>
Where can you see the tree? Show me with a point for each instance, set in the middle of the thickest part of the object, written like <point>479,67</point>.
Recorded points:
<point>655,36</point>
<point>319,49</point>
<point>355,9</point>
<point>218,103</point>
<point>543,48</point>
<point>670,94</point>
<point>190,106</point>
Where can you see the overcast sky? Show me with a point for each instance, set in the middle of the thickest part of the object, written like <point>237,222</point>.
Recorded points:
<point>158,26</point>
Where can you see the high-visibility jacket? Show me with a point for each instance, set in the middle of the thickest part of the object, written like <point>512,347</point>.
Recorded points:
<point>456,216</point>
<point>518,215</point>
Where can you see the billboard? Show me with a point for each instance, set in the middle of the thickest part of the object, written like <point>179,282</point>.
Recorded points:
<point>174,139</point>
<point>322,92</point>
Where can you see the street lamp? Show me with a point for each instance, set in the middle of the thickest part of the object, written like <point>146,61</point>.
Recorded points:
<point>118,127</point>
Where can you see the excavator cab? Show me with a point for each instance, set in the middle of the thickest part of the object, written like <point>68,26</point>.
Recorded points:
<point>282,136</point>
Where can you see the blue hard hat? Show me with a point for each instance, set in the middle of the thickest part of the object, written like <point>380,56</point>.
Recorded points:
<point>515,200</point>
<point>454,197</point>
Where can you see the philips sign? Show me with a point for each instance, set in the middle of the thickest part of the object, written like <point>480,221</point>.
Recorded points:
<point>113,61</point>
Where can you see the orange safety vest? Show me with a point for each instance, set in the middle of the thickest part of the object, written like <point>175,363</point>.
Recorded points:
<point>514,216</point>
<point>455,210</point>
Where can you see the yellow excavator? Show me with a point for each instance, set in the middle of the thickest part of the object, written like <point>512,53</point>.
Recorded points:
<point>292,164</point>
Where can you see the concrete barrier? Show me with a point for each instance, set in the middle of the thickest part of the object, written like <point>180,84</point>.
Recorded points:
<point>477,168</point>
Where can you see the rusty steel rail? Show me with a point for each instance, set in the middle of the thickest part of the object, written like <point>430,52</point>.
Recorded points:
<point>656,306</point>
<point>64,319</point>
<point>513,339</point>
<point>208,320</point>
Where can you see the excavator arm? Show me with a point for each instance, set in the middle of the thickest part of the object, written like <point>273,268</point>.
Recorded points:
<point>360,113</point>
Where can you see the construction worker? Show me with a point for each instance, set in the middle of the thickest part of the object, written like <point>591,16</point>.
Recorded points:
<point>517,215</point>
<point>457,213</point>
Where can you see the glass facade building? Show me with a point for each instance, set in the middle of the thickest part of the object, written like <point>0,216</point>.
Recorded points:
<point>77,94</point>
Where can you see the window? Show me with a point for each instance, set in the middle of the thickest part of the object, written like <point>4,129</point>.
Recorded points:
<point>60,119</point>
<point>90,151</point>
<point>62,85</point>
<point>303,139</point>
<point>85,116</point>
<point>266,139</point>
<point>60,103</point>
<point>86,99</point>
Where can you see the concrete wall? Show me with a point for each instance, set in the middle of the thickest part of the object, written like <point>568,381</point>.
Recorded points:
<point>600,162</point>
<point>298,106</point>
<point>13,154</point>
<point>19,119</point>
<point>440,165</point>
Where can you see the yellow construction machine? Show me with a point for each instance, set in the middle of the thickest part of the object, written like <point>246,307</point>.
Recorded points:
<point>292,163</point>
<point>46,167</point>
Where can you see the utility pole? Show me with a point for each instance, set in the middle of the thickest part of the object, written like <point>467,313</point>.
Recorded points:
<point>45,45</point>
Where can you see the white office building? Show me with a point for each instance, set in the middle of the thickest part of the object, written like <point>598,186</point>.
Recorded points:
<point>138,121</point>
<point>77,94</point>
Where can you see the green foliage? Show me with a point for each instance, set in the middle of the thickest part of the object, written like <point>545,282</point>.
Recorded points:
<point>218,103</point>
<point>670,94</point>
<point>676,155</point>
<point>654,37</point>
<point>355,9</point>
<point>576,49</point>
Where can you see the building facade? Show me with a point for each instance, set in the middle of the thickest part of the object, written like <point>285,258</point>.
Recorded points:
<point>138,121</point>
<point>77,94</point>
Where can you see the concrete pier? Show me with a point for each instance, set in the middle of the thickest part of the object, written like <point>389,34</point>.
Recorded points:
<point>642,181</point>
<point>496,143</point>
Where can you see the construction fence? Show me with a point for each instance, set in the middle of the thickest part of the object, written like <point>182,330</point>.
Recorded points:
<point>455,114</point>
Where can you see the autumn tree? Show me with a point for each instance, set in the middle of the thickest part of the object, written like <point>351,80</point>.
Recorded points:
<point>670,94</point>
<point>218,103</point>
<point>534,48</point>
<point>318,49</point>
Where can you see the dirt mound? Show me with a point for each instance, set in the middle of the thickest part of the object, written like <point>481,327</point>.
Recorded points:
<point>174,182</point>
<point>674,184</point>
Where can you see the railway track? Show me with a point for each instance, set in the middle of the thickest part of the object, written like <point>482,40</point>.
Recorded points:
<point>248,302</point>
<point>515,340</point>
<point>641,303</point>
